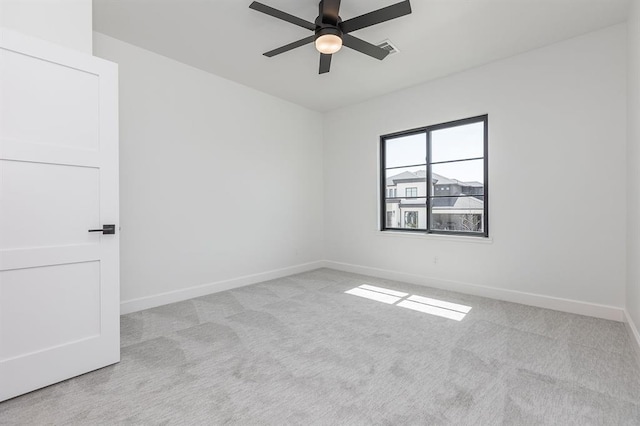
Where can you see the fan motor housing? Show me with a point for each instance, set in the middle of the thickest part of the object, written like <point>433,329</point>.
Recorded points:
<point>325,30</point>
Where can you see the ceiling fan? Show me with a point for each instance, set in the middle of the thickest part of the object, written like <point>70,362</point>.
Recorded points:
<point>331,32</point>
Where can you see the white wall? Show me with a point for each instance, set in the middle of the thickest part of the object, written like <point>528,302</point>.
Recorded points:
<point>633,168</point>
<point>217,180</point>
<point>64,22</point>
<point>220,181</point>
<point>557,132</point>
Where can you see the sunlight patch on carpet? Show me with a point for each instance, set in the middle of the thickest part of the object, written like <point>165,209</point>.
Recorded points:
<point>427,305</point>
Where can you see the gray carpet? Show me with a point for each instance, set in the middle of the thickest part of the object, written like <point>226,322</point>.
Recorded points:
<point>299,350</point>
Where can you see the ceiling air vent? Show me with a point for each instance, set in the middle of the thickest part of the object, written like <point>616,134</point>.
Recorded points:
<point>387,45</point>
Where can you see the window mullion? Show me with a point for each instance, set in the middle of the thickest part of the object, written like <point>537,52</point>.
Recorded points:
<point>428,189</point>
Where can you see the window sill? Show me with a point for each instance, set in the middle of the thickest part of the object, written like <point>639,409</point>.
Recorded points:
<point>436,237</point>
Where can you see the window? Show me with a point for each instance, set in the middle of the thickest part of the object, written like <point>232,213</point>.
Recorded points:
<point>443,170</point>
<point>390,219</point>
<point>411,219</point>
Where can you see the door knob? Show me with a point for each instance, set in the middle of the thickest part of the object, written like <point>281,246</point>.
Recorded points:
<point>106,229</point>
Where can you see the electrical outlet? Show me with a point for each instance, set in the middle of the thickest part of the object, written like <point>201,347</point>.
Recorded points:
<point>435,260</point>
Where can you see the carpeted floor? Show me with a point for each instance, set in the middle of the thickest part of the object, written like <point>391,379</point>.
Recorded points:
<point>299,350</point>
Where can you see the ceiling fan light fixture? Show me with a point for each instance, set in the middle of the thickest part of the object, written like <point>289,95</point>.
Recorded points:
<point>328,44</point>
<point>331,31</point>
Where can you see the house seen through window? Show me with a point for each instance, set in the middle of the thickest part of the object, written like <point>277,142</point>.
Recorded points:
<point>442,172</point>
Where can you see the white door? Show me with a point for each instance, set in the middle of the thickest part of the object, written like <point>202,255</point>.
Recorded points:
<point>59,283</point>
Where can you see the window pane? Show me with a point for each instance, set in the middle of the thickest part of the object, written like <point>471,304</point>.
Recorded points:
<point>406,214</point>
<point>404,210</point>
<point>406,150</point>
<point>406,182</point>
<point>461,214</point>
<point>464,177</point>
<point>457,143</point>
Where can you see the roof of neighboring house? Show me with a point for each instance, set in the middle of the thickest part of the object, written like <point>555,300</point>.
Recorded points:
<point>441,180</point>
<point>422,174</point>
<point>462,203</point>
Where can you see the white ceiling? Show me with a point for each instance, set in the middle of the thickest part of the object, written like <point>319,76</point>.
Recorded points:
<point>440,37</point>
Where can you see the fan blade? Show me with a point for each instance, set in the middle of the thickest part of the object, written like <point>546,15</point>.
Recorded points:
<point>364,47</point>
<point>329,10</point>
<point>282,15</point>
<point>325,63</point>
<point>289,46</point>
<point>377,16</point>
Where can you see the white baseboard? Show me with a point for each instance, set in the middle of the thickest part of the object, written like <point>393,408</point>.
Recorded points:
<point>633,333</point>
<point>538,300</point>
<point>134,305</point>
<point>541,301</point>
